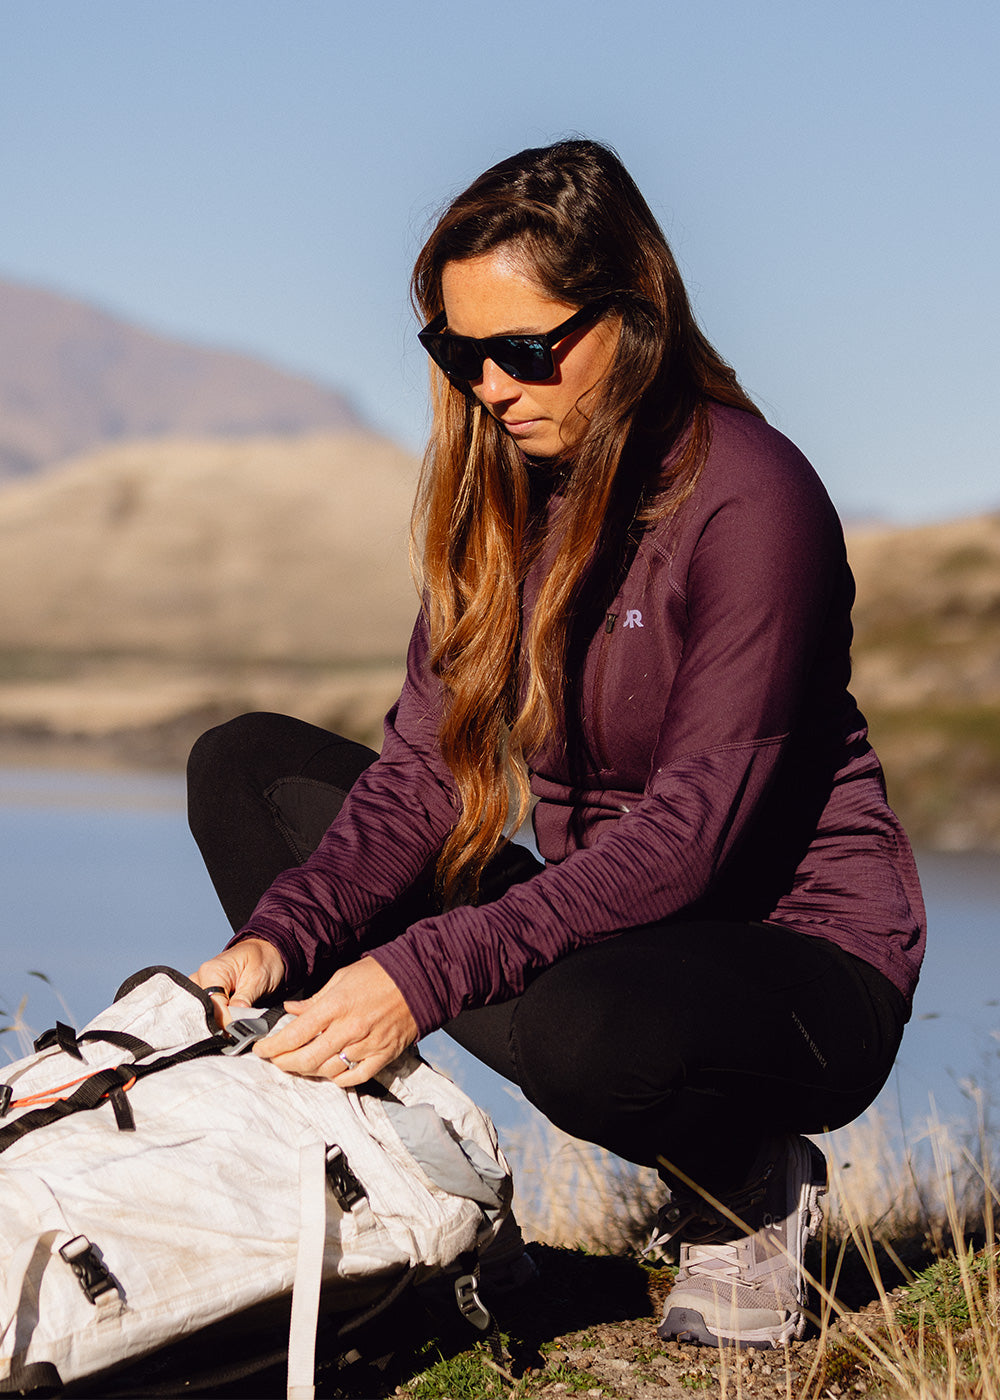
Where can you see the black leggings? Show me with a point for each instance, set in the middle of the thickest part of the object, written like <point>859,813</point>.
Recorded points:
<point>688,1042</point>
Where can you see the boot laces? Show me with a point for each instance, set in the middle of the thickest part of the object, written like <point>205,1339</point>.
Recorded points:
<point>697,1222</point>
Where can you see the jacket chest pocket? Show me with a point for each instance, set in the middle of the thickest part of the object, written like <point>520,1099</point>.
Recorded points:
<point>631,670</point>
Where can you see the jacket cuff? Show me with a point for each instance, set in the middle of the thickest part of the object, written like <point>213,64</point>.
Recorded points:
<point>416,988</point>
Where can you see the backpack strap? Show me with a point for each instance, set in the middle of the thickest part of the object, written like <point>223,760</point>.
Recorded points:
<point>323,1172</point>
<point>111,1084</point>
<point>66,1038</point>
<point>35,1378</point>
<point>105,1084</point>
<point>123,1039</point>
<point>62,1036</point>
<point>93,1091</point>
<point>308,1272</point>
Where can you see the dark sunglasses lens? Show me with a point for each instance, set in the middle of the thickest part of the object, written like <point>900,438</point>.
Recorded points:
<point>455,356</point>
<point>524,359</point>
<point>518,357</point>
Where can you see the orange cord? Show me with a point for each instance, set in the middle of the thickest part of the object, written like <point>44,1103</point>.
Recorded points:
<point>52,1095</point>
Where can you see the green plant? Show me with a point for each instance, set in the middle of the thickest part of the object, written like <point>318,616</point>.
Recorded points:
<point>697,1380</point>
<point>573,1380</point>
<point>955,1290</point>
<point>471,1375</point>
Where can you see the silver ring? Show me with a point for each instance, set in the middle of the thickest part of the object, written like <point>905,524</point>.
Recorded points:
<point>351,1064</point>
<point>215,992</point>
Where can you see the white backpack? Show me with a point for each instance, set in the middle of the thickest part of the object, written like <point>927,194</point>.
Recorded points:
<point>155,1180</point>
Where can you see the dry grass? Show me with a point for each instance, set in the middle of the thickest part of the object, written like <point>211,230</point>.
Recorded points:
<point>938,1335</point>
<point>13,1024</point>
<point>574,1194</point>
<point>906,1277</point>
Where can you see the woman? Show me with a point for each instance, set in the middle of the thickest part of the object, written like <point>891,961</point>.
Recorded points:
<point>632,662</point>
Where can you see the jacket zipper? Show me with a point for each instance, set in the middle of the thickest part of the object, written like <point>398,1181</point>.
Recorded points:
<point>600,751</point>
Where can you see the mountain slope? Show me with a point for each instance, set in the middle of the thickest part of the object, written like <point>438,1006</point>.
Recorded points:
<point>73,376</point>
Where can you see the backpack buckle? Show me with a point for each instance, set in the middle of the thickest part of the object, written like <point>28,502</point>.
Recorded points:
<point>90,1269</point>
<point>244,1033</point>
<point>346,1187</point>
<point>470,1305</point>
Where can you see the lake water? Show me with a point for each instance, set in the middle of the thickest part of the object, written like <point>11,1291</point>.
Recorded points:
<point>100,877</point>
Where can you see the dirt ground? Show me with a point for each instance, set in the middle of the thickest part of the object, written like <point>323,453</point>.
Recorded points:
<point>588,1328</point>
<point>593,1318</point>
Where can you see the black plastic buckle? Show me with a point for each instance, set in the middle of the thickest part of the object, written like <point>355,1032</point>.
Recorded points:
<point>6,1094</point>
<point>89,1267</point>
<point>343,1183</point>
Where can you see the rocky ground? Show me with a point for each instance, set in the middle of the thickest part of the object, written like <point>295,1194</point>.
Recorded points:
<point>590,1329</point>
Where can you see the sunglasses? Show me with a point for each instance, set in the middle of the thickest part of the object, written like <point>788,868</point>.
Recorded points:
<point>526,357</point>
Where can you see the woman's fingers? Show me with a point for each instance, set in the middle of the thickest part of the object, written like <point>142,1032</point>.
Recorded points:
<point>306,1029</point>
<point>317,1061</point>
<point>352,1027</point>
<point>337,1054</point>
<point>348,1031</point>
<point>245,973</point>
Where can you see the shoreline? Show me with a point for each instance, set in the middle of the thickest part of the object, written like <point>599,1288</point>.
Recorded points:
<point>145,715</point>
<point>136,753</point>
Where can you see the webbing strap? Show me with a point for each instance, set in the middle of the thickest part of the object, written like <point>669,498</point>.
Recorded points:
<point>308,1272</point>
<point>123,1039</point>
<point>62,1036</point>
<point>213,1046</point>
<point>124,1116</point>
<point>35,1378</point>
<point>66,1038</point>
<point>89,1094</point>
<point>104,1084</point>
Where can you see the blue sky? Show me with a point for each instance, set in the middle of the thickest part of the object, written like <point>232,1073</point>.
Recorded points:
<point>259,174</point>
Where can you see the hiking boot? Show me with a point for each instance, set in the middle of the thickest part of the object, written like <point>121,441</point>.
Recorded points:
<point>745,1287</point>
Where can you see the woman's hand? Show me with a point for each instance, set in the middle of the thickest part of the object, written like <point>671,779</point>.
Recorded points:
<point>359,1017</point>
<point>247,973</point>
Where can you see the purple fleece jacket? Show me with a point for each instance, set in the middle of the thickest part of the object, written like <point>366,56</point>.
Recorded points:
<point>713,765</point>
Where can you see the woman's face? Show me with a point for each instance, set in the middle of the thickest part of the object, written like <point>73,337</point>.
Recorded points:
<point>493,294</point>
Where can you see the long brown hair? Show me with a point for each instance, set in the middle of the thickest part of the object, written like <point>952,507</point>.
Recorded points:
<point>572,216</point>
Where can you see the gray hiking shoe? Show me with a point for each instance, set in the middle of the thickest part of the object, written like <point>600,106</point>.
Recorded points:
<point>745,1288</point>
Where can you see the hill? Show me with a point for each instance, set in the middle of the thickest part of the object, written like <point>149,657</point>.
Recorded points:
<point>159,585</point>
<point>263,549</point>
<point>73,377</point>
<point>155,587</point>
<point>927,673</point>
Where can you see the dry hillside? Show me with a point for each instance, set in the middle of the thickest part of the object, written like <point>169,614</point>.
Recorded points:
<point>927,672</point>
<point>291,549</point>
<point>157,585</point>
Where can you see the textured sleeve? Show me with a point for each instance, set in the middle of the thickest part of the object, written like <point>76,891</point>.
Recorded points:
<point>395,819</point>
<point>759,581</point>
